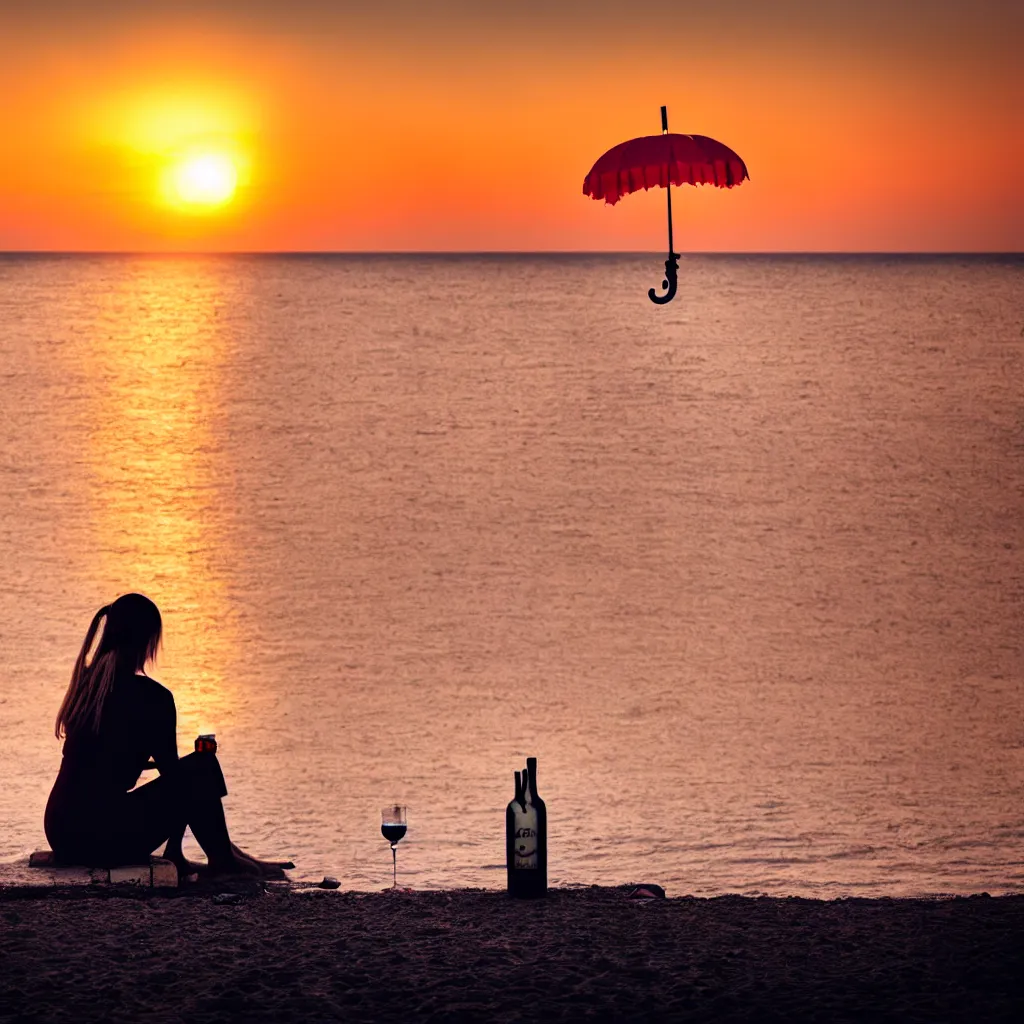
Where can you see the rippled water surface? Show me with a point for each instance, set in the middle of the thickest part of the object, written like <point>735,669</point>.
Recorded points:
<point>744,571</point>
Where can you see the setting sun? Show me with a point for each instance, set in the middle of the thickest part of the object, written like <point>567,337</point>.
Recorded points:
<point>204,181</point>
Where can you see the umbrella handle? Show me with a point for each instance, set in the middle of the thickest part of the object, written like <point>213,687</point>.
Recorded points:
<point>670,282</point>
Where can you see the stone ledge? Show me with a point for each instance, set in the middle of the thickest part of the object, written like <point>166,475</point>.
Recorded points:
<point>41,872</point>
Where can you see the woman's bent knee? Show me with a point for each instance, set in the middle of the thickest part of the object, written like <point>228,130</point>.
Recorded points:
<point>201,775</point>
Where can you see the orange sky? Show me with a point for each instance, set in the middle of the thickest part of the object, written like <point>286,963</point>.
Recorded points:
<point>877,126</point>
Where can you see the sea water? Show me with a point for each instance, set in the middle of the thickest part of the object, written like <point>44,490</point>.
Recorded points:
<point>744,572</point>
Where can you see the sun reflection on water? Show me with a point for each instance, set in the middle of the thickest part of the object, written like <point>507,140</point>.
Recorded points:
<point>159,514</point>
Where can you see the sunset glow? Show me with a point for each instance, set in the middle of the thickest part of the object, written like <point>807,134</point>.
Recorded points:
<point>320,127</point>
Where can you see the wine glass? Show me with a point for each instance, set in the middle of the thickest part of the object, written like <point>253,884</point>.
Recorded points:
<point>392,827</point>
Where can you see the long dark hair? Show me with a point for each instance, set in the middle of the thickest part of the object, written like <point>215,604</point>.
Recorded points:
<point>130,638</point>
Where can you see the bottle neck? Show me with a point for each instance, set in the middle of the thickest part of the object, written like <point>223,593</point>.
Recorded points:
<point>531,770</point>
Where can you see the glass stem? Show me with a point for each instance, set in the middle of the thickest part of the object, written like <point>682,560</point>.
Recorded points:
<point>394,868</point>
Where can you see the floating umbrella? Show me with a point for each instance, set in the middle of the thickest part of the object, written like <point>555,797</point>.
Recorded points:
<point>664,160</point>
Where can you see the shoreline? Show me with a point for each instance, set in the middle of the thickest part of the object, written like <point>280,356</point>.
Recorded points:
<point>287,952</point>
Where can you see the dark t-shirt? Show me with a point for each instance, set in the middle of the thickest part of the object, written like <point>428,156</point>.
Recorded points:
<point>139,721</point>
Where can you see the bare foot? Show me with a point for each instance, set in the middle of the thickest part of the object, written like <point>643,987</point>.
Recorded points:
<point>235,867</point>
<point>188,867</point>
<point>268,868</point>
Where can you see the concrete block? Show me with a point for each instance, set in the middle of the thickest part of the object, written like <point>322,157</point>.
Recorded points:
<point>132,874</point>
<point>165,874</point>
<point>70,876</point>
<point>43,873</point>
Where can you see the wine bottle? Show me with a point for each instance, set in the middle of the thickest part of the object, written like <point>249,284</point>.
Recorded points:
<point>517,805</point>
<point>521,860</point>
<point>539,808</point>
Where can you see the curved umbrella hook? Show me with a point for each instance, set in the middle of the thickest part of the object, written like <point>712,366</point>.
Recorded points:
<point>670,282</point>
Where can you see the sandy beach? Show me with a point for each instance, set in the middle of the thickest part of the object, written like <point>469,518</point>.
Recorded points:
<point>311,955</point>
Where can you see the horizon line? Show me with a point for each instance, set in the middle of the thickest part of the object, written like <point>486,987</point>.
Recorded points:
<point>508,252</point>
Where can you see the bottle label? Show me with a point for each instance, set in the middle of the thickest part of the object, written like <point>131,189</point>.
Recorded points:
<point>525,854</point>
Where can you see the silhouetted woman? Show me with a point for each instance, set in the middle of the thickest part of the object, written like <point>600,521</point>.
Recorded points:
<point>114,719</point>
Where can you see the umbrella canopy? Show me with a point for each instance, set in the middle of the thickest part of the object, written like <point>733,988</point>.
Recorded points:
<point>663,160</point>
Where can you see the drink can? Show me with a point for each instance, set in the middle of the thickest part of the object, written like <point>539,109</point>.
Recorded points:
<point>206,743</point>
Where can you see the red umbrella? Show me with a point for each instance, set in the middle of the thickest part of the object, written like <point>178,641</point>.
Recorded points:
<point>664,160</point>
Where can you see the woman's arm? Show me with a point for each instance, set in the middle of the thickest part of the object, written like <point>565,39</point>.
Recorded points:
<point>165,734</point>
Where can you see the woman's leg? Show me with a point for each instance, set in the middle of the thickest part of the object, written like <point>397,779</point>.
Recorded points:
<point>199,787</point>
<point>173,851</point>
<point>190,794</point>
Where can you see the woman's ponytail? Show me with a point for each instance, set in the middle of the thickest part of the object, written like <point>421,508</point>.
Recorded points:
<point>84,698</point>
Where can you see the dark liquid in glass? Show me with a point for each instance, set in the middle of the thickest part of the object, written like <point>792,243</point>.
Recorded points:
<point>392,833</point>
